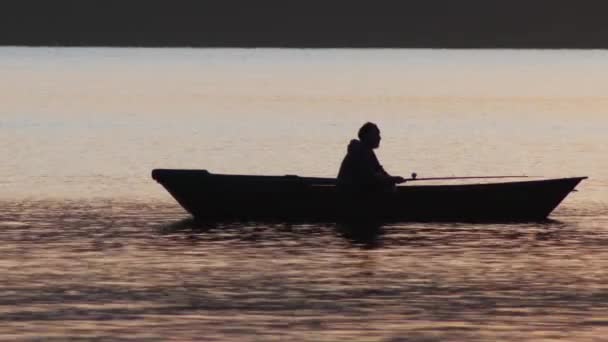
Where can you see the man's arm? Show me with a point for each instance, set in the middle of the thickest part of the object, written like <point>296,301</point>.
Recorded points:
<point>384,177</point>
<point>381,176</point>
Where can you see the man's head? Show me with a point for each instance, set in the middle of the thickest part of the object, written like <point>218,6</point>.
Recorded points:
<point>369,134</point>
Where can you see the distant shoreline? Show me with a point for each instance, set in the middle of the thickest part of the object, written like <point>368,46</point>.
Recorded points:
<point>462,24</point>
<point>296,46</point>
<point>302,47</point>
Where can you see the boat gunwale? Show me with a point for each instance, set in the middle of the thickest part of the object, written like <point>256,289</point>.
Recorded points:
<point>323,182</point>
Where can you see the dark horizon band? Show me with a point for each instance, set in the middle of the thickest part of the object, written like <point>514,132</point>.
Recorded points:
<point>310,23</point>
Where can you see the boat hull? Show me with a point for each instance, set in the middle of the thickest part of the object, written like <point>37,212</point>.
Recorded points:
<point>290,198</point>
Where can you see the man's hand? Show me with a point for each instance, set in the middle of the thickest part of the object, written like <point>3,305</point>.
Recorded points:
<point>398,179</point>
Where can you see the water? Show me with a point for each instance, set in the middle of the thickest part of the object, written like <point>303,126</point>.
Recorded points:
<point>93,248</point>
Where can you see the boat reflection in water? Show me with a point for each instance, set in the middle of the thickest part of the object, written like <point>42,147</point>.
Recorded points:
<point>362,234</point>
<point>366,234</point>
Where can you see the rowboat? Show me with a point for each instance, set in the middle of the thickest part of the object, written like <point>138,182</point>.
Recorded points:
<point>209,196</point>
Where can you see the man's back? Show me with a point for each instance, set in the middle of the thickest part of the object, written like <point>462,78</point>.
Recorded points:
<point>360,170</point>
<point>360,167</point>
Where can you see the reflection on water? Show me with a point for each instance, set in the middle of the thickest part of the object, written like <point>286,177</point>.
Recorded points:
<point>365,234</point>
<point>111,269</point>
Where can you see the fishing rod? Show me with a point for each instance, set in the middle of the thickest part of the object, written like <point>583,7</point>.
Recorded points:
<point>414,177</point>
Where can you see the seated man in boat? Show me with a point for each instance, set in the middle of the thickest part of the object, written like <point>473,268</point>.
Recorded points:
<point>360,170</point>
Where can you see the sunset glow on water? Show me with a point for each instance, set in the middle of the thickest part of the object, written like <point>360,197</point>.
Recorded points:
<point>93,247</point>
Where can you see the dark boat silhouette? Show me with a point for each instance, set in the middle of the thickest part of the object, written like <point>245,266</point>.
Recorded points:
<point>210,196</point>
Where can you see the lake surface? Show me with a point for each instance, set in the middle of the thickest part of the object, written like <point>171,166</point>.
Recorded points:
<point>92,247</point>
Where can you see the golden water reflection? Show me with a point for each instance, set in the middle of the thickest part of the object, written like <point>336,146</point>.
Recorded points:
<point>145,271</point>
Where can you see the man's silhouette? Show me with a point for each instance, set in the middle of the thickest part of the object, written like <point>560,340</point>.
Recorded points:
<point>360,170</point>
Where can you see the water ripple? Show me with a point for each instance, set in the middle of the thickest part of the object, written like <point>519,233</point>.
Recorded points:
<point>127,270</point>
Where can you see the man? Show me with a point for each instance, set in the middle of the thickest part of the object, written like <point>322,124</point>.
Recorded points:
<point>360,170</point>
